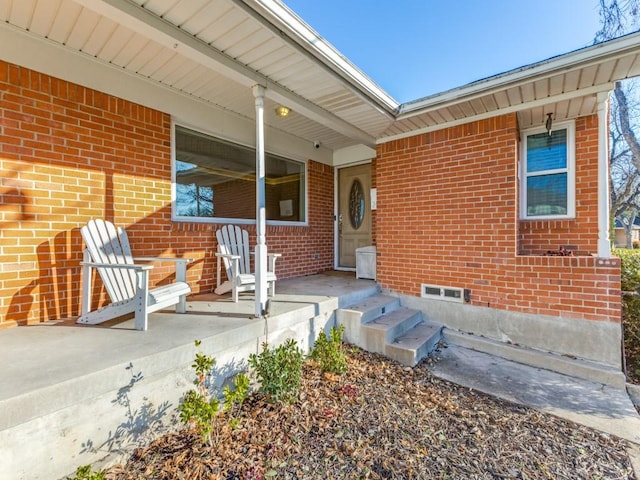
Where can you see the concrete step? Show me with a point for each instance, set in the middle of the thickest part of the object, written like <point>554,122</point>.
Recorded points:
<point>380,324</point>
<point>348,298</point>
<point>376,334</point>
<point>415,344</point>
<point>573,367</point>
<point>373,306</point>
<point>353,316</point>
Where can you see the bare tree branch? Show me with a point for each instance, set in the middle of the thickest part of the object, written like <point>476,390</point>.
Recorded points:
<point>618,17</point>
<point>625,126</point>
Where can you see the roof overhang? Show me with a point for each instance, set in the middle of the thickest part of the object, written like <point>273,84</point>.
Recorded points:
<point>213,52</point>
<point>566,85</point>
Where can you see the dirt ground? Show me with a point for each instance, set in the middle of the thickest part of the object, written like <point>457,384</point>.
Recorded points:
<point>382,420</point>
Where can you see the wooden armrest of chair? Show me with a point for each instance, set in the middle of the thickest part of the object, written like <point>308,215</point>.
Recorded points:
<point>126,266</point>
<point>235,261</point>
<point>228,255</point>
<point>163,259</point>
<point>274,255</point>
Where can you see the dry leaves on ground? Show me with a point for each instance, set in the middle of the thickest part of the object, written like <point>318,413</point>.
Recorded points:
<point>384,421</point>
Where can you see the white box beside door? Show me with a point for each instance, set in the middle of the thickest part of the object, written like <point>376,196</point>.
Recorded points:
<point>366,262</point>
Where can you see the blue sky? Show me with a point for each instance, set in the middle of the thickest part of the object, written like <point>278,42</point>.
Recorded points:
<point>416,48</point>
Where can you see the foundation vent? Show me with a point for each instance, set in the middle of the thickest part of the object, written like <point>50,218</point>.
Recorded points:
<point>450,294</point>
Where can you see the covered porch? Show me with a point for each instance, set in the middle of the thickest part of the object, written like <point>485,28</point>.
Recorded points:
<point>73,395</point>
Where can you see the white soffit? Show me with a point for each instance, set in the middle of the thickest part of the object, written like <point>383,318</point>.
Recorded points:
<point>565,85</point>
<point>215,50</point>
<point>212,50</point>
<point>279,15</point>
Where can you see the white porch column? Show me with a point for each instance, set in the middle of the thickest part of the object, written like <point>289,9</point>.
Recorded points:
<point>261,216</point>
<point>604,243</point>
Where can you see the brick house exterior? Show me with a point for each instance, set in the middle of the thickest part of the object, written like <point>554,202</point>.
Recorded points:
<point>86,133</point>
<point>453,212</point>
<point>448,215</point>
<point>112,109</point>
<point>71,154</point>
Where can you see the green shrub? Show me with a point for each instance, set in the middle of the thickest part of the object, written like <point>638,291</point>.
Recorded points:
<point>328,352</point>
<point>631,326</point>
<point>200,408</point>
<point>279,371</point>
<point>630,266</point>
<point>85,472</point>
<point>630,282</point>
<point>234,398</point>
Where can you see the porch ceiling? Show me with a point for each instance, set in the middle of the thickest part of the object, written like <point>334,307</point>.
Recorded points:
<point>215,50</point>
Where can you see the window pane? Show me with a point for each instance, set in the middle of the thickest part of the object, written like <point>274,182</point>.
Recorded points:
<point>215,178</point>
<point>547,195</point>
<point>547,152</point>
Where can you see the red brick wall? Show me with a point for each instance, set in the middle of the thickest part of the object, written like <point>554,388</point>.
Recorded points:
<point>69,154</point>
<point>536,237</point>
<point>448,215</point>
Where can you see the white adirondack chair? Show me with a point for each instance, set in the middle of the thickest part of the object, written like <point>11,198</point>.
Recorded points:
<point>127,283</point>
<point>233,250</point>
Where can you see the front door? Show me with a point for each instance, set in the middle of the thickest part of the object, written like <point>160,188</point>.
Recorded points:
<point>354,212</point>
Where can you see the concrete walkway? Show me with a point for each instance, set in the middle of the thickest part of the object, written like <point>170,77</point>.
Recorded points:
<point>594,405</point>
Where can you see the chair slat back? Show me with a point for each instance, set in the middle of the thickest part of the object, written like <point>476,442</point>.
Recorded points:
<point>235,241</point>
<point>108,244</point>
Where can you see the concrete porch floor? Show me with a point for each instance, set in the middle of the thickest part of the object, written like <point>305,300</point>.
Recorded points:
<point>73,395</point>
<point>59,376</point>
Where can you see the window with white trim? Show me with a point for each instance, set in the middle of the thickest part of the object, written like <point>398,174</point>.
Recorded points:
<point>215,181</point>
<point>548,173</point>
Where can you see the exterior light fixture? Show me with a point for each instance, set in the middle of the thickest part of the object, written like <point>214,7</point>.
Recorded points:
<point>282,111</point>
<point>549,122</point>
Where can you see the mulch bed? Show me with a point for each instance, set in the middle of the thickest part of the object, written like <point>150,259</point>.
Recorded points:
<point>381,420</point>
